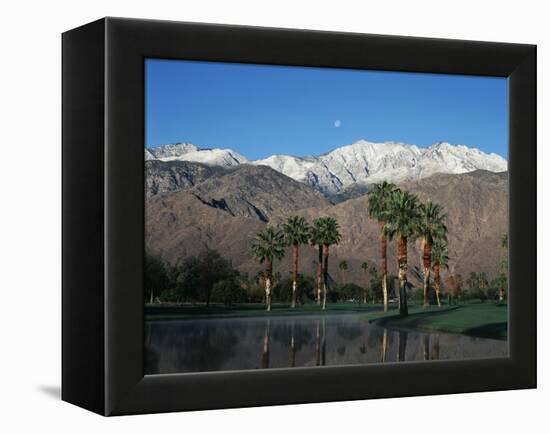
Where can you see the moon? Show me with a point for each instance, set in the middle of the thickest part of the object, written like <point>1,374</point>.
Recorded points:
<point>337,123</point>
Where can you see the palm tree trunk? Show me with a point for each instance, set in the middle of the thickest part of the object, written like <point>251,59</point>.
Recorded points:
<point>325,274</point>
<point>366,286</point>
<point>268,273</point>
<point>319,274</point>
<point>402,274</point>
<point>384,264</point>
<point>294,274</point>
<point>437,283</point>
<point>427,259</point>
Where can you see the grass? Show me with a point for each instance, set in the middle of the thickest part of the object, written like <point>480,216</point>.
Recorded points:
<point>187,311</point>
<point>488,320</point>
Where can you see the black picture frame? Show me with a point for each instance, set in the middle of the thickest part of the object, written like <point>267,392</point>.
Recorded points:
<point>103,222</point>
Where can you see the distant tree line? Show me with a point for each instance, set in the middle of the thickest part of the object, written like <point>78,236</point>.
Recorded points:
<point>205,278</point>
<point>209,278</point>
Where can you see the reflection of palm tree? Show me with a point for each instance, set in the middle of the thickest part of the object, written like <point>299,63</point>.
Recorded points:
<point>292,345</point>
<point>402,224</point>
<point>384,346</point>
<point>318,344</point>
<point>402,345</point>
<point>324,345</point>
<point>435,352</point>
<point>379,200</point>
<point>440,259</point>
<point>295,233</point>
<point>265,354</point>
<point>431,228</point>
<point>328,235</point>
<point>268,246</point>
<point>426,345</point>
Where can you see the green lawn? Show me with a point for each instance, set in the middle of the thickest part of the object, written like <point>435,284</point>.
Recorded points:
<point>476,319</point>
<point>488,320</point>
<point>187,311</point>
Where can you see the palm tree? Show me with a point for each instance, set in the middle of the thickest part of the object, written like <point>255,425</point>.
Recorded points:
<point>431,228</point>
<point>503,279</point>
<point>483,280</point>
<point>440,259</point>
<point>268,245</point>
<point>501,282</point>
<point>379,199</point>
<point>295,232</point>
<point>403,220</point>
<point>365,267</point>
<point>328,235</point>
<point>343,266</point>
<point>315,241</point>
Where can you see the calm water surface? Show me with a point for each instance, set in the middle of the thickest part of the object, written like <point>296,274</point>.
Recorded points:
<point>220,344</point>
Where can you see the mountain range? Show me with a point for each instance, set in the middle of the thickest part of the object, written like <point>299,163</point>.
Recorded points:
<point>193,206</point>
<point>352,166</point>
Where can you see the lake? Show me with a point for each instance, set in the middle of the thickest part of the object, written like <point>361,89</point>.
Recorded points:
<point>222,344</point>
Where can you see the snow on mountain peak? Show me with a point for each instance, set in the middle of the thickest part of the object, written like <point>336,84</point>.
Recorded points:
<point>361,162</point>
<point>190,152</point>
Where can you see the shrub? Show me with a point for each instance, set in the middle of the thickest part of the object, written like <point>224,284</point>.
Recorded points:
<point>305,287</point>
<point>228,291</point>
<point>157,278</point>
<point>351,292</point>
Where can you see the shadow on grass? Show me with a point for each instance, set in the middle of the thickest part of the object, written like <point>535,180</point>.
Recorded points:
<point>497,330</point>
<point>450,320</point>
<point>413,317</point>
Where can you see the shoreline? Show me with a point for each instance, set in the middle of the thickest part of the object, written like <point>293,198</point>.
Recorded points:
<point>483,320</point>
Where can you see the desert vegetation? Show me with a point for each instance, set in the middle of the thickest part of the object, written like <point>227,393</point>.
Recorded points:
<point>404,222</point>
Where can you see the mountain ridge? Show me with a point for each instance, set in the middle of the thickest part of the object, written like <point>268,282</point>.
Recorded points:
<point>217,213</point>
<point>361,162</point>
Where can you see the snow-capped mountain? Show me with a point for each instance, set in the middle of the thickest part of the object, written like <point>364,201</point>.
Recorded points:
<point>361,162</point>
<point>190,152</point>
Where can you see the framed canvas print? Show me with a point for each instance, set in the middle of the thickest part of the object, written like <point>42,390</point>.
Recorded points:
<point>258,216</point>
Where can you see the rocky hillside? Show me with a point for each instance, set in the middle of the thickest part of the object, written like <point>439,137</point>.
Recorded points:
<point>223,211</point>
<point>167,177</point>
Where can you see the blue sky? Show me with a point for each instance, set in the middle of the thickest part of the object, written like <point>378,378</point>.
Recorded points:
<point>260,110</point>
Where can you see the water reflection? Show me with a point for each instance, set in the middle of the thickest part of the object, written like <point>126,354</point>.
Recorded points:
<point>384,346</point>
<point>280,342</point>
<point>265,354</point>
<point>402,336</point>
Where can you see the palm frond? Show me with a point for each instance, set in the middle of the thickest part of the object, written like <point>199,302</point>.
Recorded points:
<point>296,231</point>
<point>268,245</point>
